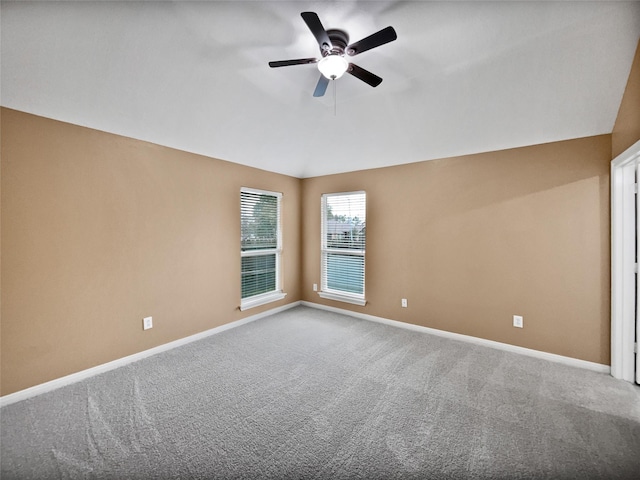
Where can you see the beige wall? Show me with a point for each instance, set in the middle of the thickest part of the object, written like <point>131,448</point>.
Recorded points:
<point>99,231</point>
<point>626,131</point>
<point>471,241</point>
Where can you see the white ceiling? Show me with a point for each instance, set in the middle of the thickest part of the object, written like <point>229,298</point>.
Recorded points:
<point>461,78</point>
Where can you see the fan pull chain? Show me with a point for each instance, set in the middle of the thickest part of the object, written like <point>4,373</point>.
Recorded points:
<point>334,98</point>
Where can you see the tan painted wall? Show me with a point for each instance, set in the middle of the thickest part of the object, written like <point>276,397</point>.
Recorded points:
<point>99,231</point>
<point>626,130</point>
<point>471,241</point>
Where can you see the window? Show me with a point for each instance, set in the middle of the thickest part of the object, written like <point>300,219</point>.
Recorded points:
<point>260,247</point>
<point>343,246</point>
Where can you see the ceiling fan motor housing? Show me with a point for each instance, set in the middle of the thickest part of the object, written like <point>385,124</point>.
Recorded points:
<point>339,39</point>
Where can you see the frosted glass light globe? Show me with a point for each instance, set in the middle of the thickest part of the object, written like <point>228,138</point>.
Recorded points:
<point>333,66</point>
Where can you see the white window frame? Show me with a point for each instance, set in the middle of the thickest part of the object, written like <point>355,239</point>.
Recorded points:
<point>278,293</point>
<point>325,292</point>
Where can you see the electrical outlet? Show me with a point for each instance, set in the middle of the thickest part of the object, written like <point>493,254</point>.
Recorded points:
<point>147,323</point>
<point>518,321</point>
<point>315,287</point>
<point>404,303</point>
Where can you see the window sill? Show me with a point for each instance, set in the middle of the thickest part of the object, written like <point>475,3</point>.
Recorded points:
<point>258,300</point>
<point>343,298</point>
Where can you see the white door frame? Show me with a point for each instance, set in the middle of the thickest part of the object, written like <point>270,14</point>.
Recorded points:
<point>623,248</point>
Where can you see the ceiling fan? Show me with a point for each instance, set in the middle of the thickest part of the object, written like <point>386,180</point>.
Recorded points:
<point>334,44</point>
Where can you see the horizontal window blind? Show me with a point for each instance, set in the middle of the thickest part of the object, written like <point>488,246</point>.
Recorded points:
<point>259,221</point>
<point>343,243</point>
<point>345,273</point>
<point>258,274</point>
<point>260,242</point>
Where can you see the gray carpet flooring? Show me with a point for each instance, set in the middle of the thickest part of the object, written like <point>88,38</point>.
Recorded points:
<point>312,394</point>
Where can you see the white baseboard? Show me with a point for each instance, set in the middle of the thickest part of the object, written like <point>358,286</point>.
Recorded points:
<point>90,372</point>
<point>574,362</point>
<point>105,367</point>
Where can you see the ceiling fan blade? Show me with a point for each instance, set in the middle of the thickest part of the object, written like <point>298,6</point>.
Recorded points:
<point>364,75</point>
<point>321,87</point>
<point>385,35</point>
<point>298,61</point>
<point>314,24</point>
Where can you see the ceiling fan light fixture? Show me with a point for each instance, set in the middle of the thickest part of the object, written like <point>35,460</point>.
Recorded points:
<point>333,44</point>
<point>333,66</point>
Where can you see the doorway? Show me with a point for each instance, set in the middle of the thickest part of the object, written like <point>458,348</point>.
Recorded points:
<point>625,282</point>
